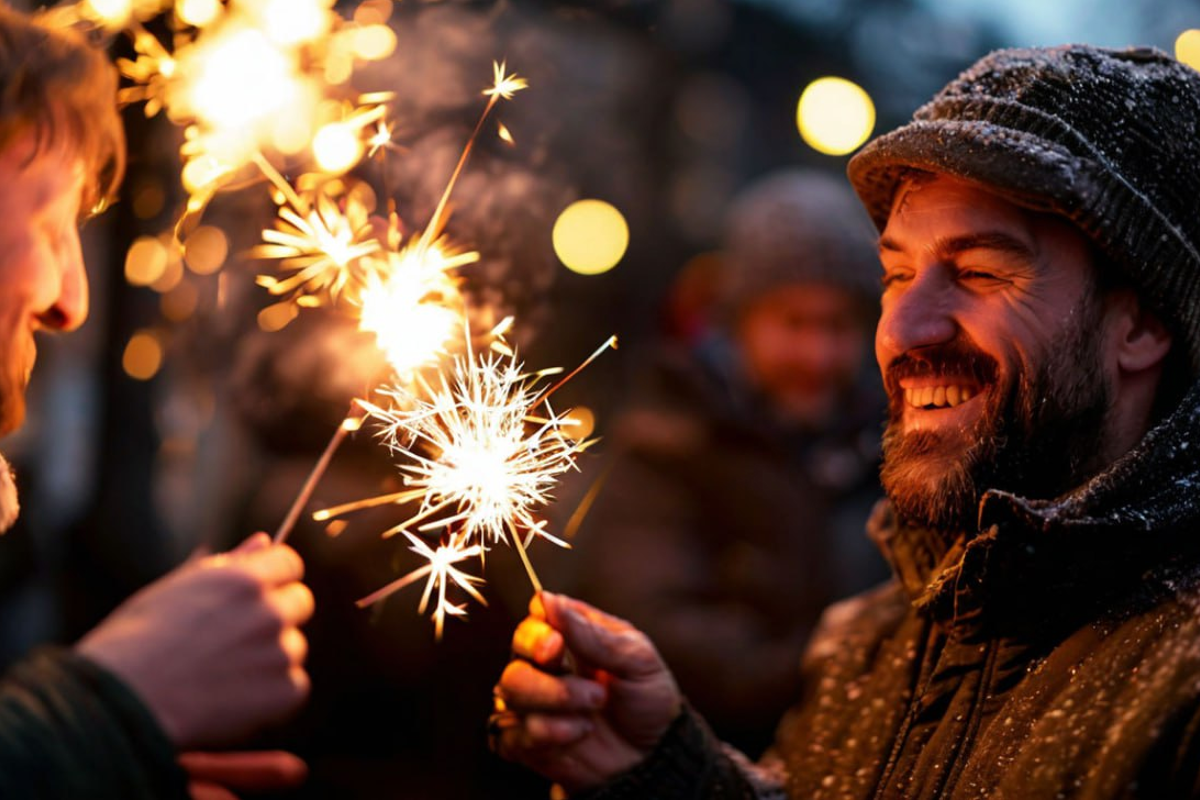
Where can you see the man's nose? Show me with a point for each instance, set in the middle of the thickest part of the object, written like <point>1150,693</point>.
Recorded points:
<point>923,314</point>
<point>70,307</point>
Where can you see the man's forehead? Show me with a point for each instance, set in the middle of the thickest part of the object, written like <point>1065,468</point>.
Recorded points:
<point>926,200</point>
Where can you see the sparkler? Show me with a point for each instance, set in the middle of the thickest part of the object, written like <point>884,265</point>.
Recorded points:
<point>481,449</point>
<point>255,81</point>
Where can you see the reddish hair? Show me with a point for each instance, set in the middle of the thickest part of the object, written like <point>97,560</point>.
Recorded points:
<point>63,91</point>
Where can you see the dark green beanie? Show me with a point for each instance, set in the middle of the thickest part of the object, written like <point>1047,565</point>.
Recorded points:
<point>1109,139</point>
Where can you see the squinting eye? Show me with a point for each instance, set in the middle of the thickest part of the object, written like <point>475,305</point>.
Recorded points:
<point>979,276</point>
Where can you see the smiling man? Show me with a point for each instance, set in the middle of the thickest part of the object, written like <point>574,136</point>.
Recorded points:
<point>1039,339</point>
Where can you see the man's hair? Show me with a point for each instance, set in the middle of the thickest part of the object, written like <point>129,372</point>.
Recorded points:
<point>62,91</point>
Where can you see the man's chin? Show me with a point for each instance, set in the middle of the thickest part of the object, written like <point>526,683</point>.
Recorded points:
<point>927,477</point>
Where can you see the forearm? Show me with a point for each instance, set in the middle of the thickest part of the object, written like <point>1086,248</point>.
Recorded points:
<point>70,729</point>
<point>690,764</point>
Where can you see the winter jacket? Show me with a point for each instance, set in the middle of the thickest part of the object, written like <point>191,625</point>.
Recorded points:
<point>724,536</point>
<point>69,729</point>
<point>1054,654</point>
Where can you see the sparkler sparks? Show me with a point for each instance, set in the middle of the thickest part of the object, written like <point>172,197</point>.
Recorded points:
<point>325,247</point>
<point>504,85</point>
<point>252,81</point>
<point>440,573</point>
<point>415,310</point>
<point>482,450</point>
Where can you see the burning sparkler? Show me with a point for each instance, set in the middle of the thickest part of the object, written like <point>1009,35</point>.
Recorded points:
<point>255,81</point>
<point>482,450</point>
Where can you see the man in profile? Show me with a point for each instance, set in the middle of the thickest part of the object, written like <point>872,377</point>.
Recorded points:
<point>203,657</point>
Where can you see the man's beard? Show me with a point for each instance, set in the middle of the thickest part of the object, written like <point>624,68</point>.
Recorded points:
<point>1037,439</point>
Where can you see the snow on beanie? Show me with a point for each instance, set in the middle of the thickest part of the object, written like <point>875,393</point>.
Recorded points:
<point>796,226</point>
<point>1109,139</point>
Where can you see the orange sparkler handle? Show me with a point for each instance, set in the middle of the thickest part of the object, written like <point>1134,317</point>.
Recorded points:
<point>351,423</point>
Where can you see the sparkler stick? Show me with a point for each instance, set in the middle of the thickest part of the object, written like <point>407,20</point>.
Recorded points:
<point>533,578</point>
<point>503,87</point>
<point>351,423</point>
<point>279,182</point>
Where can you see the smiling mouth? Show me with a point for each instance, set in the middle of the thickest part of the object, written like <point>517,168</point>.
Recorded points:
<point>945,396</point>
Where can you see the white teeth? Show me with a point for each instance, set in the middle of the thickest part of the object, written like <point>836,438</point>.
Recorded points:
<point>937,396</point>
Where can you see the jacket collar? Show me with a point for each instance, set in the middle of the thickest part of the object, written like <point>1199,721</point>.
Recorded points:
<point>1035,561</point>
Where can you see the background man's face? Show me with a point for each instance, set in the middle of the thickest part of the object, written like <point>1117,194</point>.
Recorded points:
<point>803,345</point>
<point>987,346</point>
<point>42,282</point>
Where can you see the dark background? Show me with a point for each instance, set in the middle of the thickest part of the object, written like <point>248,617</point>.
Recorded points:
<point>664,109</point>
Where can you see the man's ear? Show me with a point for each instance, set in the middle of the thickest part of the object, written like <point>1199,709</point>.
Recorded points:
<point>1139,339</point>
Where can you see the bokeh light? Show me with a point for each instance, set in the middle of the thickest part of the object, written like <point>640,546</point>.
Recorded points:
<point>337,147</point>
<point>1187,48</point>
<point>205,250</point>
<point>835,115</point>
<point>374,42</point>
<point>180,303</point>
<point>111,12</point>
<point>146,261</point>
<point>582,423</point>
<point>290,22</point>
<point>143,356</point>
<point>590,237</point>
<point>197,13</point>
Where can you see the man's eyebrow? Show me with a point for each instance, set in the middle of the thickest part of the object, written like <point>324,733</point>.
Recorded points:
<point>986,240</point>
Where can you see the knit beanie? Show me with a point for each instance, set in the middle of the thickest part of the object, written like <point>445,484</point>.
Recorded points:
<point>1109,139</point>
<point>796,226</point>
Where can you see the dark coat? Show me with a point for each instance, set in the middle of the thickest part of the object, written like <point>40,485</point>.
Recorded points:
<point>724,536</point>
<point>1055,654</point>
<point>69,729</point>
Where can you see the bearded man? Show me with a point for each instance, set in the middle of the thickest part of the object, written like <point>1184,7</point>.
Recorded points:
<point>1039,339</point>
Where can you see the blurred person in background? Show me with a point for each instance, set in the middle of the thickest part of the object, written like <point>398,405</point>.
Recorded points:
<point>205,656</point>
<point>730,511</point>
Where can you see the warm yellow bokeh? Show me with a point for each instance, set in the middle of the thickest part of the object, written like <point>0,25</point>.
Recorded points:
<point>290,22</point>
<point>146,261</point>
<point>337,147</point>
<point>205,250</point>
<point>111,12</point>
<point>581,423</point>
<point>143,356</point>
<point>374,42</point>
<point>1187,48</point>
<point>180,303</point>
<point>590,237</point>
<point>197,13</point>
<point>835,115</point>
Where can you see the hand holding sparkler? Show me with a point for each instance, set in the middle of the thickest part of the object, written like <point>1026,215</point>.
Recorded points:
<point>581,730</point>
<point>214,649</point>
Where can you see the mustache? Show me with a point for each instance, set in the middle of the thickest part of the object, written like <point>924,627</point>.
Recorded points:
<point>956,359</point>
